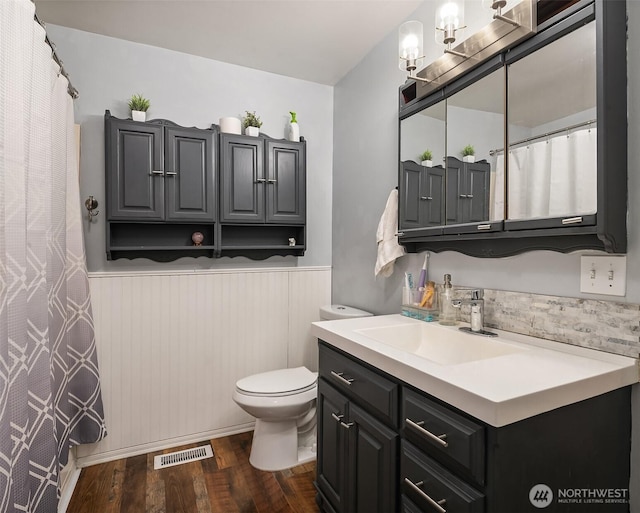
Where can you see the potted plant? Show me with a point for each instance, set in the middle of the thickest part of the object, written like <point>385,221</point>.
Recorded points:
<point>139,106</point>
<point>425,158</point>
<point>251,123</point>
<point>468,154</point>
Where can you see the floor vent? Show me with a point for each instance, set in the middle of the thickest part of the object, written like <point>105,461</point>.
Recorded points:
<point>180,457</point>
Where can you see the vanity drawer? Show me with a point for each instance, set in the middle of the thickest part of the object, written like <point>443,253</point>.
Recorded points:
<point>454,440</point>
<point>378,394</point>
<point>428,485</point>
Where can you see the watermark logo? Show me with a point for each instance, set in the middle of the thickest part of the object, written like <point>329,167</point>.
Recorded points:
<point>540,496</point>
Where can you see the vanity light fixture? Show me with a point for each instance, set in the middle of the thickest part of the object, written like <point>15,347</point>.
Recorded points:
<point>497,6</point>
<point>410,45</point>
<point>449,20</point>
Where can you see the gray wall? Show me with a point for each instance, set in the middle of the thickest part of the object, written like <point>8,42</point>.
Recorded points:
<point>365,170</point>
<point>192,91</point>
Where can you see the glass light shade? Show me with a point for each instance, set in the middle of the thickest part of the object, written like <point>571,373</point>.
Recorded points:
<point>410,45</point>
<point>449,21</point>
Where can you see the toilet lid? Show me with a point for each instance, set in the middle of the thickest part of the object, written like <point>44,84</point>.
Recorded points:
<point>280,381</point>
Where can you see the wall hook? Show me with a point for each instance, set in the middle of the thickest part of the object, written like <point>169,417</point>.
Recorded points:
<point>91,203</point>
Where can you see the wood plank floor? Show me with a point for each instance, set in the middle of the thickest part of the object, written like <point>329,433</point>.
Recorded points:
<point>226,483</point>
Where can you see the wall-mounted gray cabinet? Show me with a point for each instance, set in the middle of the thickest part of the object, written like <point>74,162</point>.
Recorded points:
<point>422,196</point>
<point>161,188</point>
<point>467,191</point>
<point>163,184</point>
<point>263,195</point>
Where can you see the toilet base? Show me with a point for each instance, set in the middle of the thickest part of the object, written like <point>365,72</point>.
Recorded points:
<point>275,446</point>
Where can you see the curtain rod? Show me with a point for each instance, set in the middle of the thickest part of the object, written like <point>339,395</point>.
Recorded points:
<point>542,136</point>
<point>73,92</point>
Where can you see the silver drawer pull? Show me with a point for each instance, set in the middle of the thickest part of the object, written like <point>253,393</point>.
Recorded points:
<point>484,227</point>
<point>436,438</point>
<point>338,376</point>
<point>572,220</point>
<point>426,198</point>
<point>436,504</point>
<point>337,418</point>
<point>260,180</point>
<point>271,180</point>
<point>171,173</point>
<point>157,172</point>
<point>463,196</point>
<point>348,425</point>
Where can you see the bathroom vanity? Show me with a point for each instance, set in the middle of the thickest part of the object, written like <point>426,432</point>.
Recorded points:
<point>418,417</point>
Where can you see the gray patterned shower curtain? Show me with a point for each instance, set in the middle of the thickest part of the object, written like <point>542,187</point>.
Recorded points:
<point>50,394</point>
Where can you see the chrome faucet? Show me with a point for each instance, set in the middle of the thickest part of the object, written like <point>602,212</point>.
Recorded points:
<point>477,313</point>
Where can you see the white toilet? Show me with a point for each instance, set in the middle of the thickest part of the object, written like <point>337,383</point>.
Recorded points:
<point>284,404</point>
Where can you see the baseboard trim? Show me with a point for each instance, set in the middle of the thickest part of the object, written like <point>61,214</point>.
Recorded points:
<point>159,445</point>
<point>67,490</point>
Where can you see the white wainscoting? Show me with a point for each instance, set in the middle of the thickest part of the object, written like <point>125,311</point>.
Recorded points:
<point>171,346</point>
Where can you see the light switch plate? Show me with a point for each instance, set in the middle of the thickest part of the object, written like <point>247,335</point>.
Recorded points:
<point>603,275</point>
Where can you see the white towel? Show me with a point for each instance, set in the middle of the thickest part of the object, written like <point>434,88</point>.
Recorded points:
<point>387,238</point>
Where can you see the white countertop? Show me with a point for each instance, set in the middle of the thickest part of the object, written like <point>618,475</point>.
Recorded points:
<point>541,376</point>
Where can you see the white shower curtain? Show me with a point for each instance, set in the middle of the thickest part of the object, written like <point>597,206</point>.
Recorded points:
<point>554,177</point>
<point>49,383</point>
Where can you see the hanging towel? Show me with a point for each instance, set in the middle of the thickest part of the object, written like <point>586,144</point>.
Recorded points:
<point>387,238</point>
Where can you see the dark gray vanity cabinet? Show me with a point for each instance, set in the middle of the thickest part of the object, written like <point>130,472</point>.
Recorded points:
<point>422,196</point>
<point>263,196</point>
<point>467,191</point>
<point>160,189</point>
<point>358,439</point>
<point>384,446</point>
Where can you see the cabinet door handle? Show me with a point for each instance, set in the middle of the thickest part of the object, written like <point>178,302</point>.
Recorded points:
<point>171,173</point>
<point>463,196</point>
<point>260,180</point>
<point>348,425</point>
<point>484,227</point>
<point>271,180</point>
<point>470,196</point>
<point>416,487</point>
<point>436,438</point>
<point>338,376</point>
<point>337,418</point>
<point>426,198</point>
<point>157,172</point>
<point>572,220</point>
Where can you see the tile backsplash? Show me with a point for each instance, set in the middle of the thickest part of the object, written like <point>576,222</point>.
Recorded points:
<point>603,325</point>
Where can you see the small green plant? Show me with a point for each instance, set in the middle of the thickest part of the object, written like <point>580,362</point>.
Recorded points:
<point>425,155</point>
<point>251,120</point>
<point>139,102</point>
<point>293,117</point>
<point>468,150</point>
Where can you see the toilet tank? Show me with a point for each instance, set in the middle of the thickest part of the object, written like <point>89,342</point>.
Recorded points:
<point>331,312</point>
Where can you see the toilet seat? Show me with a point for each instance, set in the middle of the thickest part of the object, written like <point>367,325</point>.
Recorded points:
<point>278,383</point>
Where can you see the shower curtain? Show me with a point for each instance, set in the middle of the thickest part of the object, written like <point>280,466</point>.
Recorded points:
<point>554,177</point>
<point>49,382</point>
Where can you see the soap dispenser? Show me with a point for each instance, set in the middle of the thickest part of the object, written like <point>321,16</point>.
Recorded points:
<point>448,313</point>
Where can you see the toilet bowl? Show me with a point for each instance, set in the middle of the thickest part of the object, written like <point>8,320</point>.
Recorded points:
<point>284,404</point>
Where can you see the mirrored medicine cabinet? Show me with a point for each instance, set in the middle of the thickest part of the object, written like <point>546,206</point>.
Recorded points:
<point>546,121</point>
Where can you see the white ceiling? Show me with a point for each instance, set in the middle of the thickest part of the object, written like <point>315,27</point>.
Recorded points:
<point>315,40</point>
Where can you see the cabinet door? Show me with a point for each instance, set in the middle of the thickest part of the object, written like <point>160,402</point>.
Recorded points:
<point>409,201</point>
<point>477,179</point>
<point>456,191</point>
<point>432,201</point>
<point>134,170</point>
<point>372,469</point>
<point>332,446</point>
<point>189,172</point>
<point>242,179</point>
<point>286,182</point>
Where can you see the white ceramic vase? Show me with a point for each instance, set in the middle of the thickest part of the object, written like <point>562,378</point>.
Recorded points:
<point>294,132</point>
<point>138,115</point>
<point>427,163</point>
<point>230,126</point>
<point>469,158</point>
<point>253,131</point>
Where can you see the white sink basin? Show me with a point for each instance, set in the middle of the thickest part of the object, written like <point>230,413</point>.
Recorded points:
<point>444,346</point>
